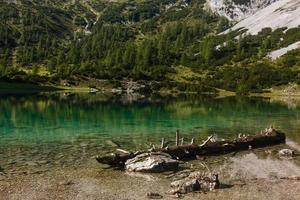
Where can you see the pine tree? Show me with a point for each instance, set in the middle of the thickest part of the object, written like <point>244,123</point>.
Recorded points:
<point>129,56</point>
<point>207,49</point>
<point>163,53</point>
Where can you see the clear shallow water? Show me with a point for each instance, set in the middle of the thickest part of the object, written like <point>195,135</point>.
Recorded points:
<point>67,129</point>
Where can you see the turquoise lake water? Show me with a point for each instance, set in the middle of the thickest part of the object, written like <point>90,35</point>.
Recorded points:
<point>74,127</point>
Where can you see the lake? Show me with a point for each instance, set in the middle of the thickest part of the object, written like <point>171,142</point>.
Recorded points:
<point>62,129</point>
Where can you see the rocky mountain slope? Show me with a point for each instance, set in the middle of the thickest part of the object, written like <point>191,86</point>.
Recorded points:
<point>282,51</point>
<point>262,14</point>
<point>237,9</point>
<point>283,13</point>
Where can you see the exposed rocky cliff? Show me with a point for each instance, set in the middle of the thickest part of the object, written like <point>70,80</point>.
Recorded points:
<point>237,9</point>
<point>283,13</point>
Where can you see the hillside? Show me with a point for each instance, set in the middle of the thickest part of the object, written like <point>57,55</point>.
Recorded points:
<point>174,44</point>
<point>283,13</point>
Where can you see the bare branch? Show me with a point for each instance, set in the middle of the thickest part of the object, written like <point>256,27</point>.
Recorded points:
<point>206,141</point>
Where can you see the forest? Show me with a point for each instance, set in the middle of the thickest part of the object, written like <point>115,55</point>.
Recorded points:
<point>150,40</point>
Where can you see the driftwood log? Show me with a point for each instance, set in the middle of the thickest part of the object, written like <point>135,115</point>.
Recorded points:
<point>209,147</point>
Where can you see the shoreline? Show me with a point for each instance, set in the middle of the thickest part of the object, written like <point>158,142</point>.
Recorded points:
<point>291,99</point>
<point>246,175</point>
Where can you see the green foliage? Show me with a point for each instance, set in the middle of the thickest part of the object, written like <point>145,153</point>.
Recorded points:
<point>142,40</point>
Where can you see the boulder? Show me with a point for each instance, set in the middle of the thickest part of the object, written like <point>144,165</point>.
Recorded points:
<point>151,162</point>
<point>185,186</point>
<point>196,181</point>
<point>286,153</point>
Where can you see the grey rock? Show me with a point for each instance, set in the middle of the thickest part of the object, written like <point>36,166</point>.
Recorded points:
<point>38,171</point>
<point>151,162</point>
<point>43,162</point>
<point>112,143</point>
<point>154,195</point>
<point>185,186</point>
<point>2,177</point>
<point>286,153</point>
<point>66,182</point>
<point>196,181</point>
<point>31,163</point>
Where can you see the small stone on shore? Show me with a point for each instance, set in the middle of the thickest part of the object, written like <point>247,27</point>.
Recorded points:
<point>66,182</point>
<point>154,195</point>
<point>31,163</point>
<point>2,177</point>
<point>43,162</point>
<point>112,143</point>
<point>286,153</point>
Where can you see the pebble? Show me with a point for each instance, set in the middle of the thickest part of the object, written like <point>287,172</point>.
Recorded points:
<point>112,143</point>
<point>31,163</point>
<point>178,195</point>
<point>2,177</point>
<point>42,162</point>
<point>60,156</point>
<point>286,153</point>
<point>154,195</point>
<point>39,171</point>
<point>67,182</point>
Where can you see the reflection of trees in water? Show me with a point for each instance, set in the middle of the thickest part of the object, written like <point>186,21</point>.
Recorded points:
<point>70,114</point>
<point>290,102</point>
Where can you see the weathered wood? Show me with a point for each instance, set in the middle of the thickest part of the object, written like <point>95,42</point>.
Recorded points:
<point>177,137</point>
<point>162,143</point>
<point>267,138</point>
<point>193,141</point>
<point>206,141</point>
<point>122,151</point>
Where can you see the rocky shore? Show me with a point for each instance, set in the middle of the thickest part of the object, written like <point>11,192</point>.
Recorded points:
<point>257,174</point>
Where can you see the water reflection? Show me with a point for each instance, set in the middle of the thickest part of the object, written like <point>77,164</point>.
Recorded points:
<point>44,132</point>
<point>66,129</point>
<point>62,117</point>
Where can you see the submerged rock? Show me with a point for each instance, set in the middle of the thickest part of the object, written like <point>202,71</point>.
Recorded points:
<point>2,176</point>
<point>288,153</point>
<point>31,163</point>
<point>112,143</point>
<point>66,182</point>
<point>154,195</point>
<point>196,181</point>
<point>151,162</point>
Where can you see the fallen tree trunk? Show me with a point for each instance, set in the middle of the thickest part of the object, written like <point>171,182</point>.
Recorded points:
<point>209,147</point>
